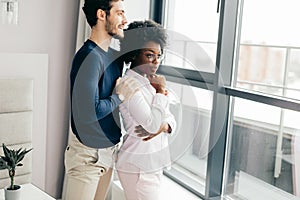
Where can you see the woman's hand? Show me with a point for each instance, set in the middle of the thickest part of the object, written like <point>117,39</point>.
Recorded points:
<point>159,83</point>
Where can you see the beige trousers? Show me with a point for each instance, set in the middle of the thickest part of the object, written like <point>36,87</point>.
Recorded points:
<point>88,171</point>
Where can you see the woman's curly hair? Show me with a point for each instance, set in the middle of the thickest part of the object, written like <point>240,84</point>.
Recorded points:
<point>138,34</point>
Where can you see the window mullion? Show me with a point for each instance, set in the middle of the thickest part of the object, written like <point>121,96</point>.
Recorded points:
<point>219,118</point>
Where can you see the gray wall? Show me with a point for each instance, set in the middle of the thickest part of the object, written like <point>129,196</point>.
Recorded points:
<point>48,27</point>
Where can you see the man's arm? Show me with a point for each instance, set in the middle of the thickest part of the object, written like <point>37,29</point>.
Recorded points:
<point>85,95</point>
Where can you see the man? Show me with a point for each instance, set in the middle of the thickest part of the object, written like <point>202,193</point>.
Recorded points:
<point>95,130</point>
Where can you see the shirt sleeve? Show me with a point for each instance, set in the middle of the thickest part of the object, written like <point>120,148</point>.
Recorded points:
<point>148,116</point>
<point>85,98</point>
<point>170,120</point>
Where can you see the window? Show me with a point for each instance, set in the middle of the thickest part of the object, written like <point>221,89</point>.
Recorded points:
<point>189,146</point>
<point>192,33</point>
<point>263,152</point>
<point>263,138</point>
<point>192,50</point>
<point>237,78</point>
<point>269,47</point>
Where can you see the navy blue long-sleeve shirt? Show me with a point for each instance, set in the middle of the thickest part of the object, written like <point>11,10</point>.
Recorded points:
<point>94,108</point>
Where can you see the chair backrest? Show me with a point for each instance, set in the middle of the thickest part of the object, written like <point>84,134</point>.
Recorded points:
<point>16,118</point>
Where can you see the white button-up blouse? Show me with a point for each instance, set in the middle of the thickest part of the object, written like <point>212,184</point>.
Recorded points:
<point>150,110</point>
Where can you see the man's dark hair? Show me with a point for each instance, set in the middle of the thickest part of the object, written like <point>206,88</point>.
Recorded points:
<point>91,7</point>
<point>138,34</point>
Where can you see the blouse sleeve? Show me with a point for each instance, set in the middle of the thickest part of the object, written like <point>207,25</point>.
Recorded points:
<point>148,116</point>
<point>170,120</point>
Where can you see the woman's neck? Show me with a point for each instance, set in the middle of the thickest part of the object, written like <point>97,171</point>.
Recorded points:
<point>137,71</point>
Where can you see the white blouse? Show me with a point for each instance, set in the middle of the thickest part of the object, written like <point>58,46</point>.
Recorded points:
<point>150,110</point>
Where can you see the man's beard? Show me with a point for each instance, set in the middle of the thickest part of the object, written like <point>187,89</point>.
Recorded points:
<point>110,27</point>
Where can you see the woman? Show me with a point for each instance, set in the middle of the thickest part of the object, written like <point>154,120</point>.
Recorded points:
<point>142,159</point>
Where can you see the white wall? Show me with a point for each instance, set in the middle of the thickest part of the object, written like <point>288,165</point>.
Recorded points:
<point>33,67</point>
<point>137,9</point>
<point>48,27</point>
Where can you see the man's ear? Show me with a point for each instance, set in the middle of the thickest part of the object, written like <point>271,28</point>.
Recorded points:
<point>101,14</point>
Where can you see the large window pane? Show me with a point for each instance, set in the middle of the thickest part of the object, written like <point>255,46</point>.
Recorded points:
<point>268,58</point>
<point>262,161</point>
<point>195,23</point>
<point>189,146</point>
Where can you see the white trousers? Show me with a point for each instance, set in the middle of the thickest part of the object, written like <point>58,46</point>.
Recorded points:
<point>88,171</point>
<point>140,186</point>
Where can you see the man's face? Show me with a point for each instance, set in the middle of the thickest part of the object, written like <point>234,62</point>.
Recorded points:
<point>116,21</point>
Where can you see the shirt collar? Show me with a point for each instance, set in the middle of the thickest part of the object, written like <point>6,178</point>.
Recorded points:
<point>136,75</point>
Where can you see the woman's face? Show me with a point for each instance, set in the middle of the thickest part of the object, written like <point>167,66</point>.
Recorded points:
<point>148,60</point>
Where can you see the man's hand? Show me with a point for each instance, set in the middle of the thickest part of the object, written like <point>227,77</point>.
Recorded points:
<point>141,132</point>
<point>126,87</point>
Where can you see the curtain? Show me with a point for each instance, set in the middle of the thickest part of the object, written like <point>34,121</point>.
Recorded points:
<point>83,28</point>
